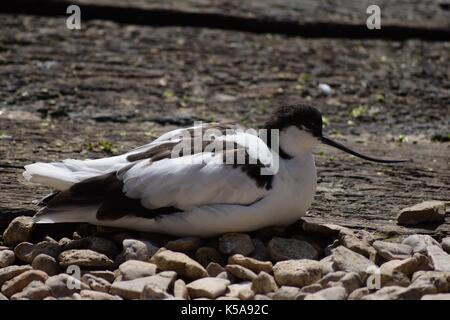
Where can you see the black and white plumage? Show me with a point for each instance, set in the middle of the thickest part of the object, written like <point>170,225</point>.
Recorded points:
<point>155,189</point>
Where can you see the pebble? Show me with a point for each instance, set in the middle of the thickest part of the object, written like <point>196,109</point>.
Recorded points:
<point>104,274</point>
<point>285,293</point>
<point>408,266</point>
<point>134,269</point>
<point>250,263</point>
<point>281,249</point>
<point>234,290</point>
<point>312,288</point>
<point>428,211</point>
<point>240,272</point>
<point>260,253</point>
<point>333,293</point>
<point>435,280</point>
<point>97,244</point>
<point>7,258</point>
<point>440,260</point>
<point>152,292</point>
<point>186,245</point>
<point>350,282</point>
<point>19,230</point>
<point>180,263</point>
<point>10,272</point>
<point>96,295</point>
<point>420,242</point>
<point>180,290</point>
<point>297,272</point>
<point>328,265</point>
<point>133,249</point>
<point>358,294</point>
<point>132,289</point>
<point>350,261</point>
<point>206,255</point>
<point>84,258</point>
<point>236,243</point>
<point>3,297</point>
<point>264,283</point>
<point>207,288</point>
<point>357,245</point>
<point>96,283</point>
<point>327,230</point>
<point>27,251</point>
<point>35,290</point>
<point>64,285</point>
<point>46,263</point>
<point>18,283</point>
<point>330,278</point>
<point>392,251</point>
<point>214,269</point>
<point>445,244</point>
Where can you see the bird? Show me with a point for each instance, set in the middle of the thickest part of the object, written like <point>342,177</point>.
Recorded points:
<point>204,180</point>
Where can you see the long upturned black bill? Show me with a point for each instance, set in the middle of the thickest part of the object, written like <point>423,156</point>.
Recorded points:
<point>339,146</point>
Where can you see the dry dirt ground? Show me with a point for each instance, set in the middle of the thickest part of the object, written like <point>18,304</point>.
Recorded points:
<point>110,87</point>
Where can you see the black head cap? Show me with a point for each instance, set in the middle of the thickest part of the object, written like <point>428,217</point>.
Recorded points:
<point>301,116</point>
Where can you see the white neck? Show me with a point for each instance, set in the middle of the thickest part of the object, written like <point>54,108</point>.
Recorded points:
<point>297,142</point>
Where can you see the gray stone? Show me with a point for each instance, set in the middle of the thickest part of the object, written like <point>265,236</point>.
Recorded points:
<point>250,263</point>
<point>133,269</point>
<point>408,266</point>
<point>312,288</point>
<point>18,283</point>
<point>324,230</point>
<point>428,211</point>
<point>35,290</point>
<point>26,251</point>
<point>152,292</point>
<point>64,285</point>
<point>186,245</point>
<point>333,293</point>
<point>260,253</point>
<point>206,255</point>
<point>286,293</point>
<point>358,294</point>
<point>96,283</point>
<point>281,249</point>
<point>97,244</point>
<point>214,269</point>
<point>240,272</point>
<point>328,265</point>
<point>180,290</point>
<point>7,258</point>
<point>350,261</point>
<point>10,272</point>
<point>104,274</point>
<point>352,242</point>
<point>264,283</point>
<point>207,288</point>
<point>236,243</point>
<point>431,281</point>
<point>392,251</point>
<point>331,278</point>
<point>350,282</point>
<point>235,290</point>
<point>445,244</point>
<point>96,295</point>
<point>132,289</point>
<point>420,242</point>
<point>19,230</point>
<point>46,263</point>
<point>297,272</point>
<point>440,260</point>
<point>246,294</point>
<point>136,250</point>
<point>180,263</point>
<point>84,258</point>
